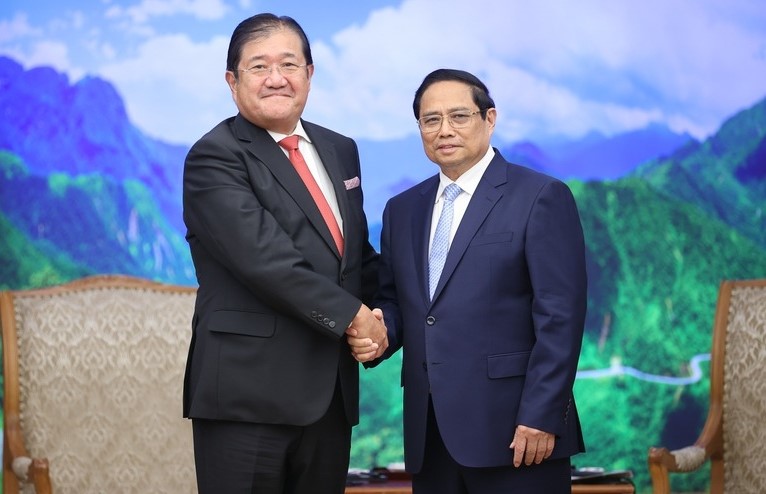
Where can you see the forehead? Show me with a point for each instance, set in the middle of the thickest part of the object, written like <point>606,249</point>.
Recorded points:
<point>446,95</point>
<point>280,43</point>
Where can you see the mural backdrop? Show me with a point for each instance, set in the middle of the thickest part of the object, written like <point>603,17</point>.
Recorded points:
<point>653,112</point>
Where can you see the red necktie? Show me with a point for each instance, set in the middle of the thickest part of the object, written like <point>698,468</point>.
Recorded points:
<point>290,143</point>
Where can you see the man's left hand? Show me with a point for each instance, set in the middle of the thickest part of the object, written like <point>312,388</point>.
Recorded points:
<point>531,445</point>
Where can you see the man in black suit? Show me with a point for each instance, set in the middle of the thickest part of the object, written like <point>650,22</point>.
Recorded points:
<point>285,268</point>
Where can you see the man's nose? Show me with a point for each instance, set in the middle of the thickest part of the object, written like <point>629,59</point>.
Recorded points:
<point>446,127</point>
<point>275,78</point>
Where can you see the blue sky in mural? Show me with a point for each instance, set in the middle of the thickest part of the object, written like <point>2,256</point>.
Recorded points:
<point>556,68</point>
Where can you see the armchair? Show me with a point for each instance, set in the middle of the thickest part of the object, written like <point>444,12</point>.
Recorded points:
<point>734,433</point>
<point>93,376</point>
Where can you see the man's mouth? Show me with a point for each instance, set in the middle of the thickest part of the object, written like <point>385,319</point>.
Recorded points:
<point>272,95</point>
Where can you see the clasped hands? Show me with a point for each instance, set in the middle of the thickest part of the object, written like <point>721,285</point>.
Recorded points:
<point>367,335</point>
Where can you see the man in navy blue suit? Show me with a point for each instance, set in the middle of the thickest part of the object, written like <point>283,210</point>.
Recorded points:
<point>483,283</point>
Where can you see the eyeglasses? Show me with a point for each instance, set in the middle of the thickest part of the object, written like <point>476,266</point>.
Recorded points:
<point>457,120</point>
<point>284,68</point>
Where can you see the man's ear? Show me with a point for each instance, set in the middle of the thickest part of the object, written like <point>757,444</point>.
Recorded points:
<point>491,117</point>
<point>232,81</point>
<point>310,69</point>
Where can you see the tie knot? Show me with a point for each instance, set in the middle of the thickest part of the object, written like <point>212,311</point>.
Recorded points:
<point>451,192</point>
<point>290,142</point>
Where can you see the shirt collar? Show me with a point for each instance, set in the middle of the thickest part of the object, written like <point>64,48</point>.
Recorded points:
<point>469,180</point>
<point>299,131</point>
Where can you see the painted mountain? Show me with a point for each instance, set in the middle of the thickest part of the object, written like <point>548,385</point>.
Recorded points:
<point>659,243</point>
<point>725,176</point>
<point>83,191</point>
<point>596,156</point>
<point>390,167</point>
<point>82,187</point>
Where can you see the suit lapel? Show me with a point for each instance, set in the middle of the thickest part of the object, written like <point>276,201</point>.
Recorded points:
<point>269,153</point>
<point>421,231</point>
<point>483,200</point>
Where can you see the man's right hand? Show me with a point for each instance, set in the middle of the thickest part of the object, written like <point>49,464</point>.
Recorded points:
<point>367,335</point>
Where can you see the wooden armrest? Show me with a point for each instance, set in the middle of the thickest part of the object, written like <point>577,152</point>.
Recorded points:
<point>685,459</point>
<point>708,446</point>
<point>16,459</point>
<point>32,470</point>
<point>661,462</point>
<point>24,468</point>
<point>40,476</point>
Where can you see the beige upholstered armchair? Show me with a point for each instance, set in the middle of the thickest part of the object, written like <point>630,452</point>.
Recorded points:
<point>93,375</point>
<point>734,435</point>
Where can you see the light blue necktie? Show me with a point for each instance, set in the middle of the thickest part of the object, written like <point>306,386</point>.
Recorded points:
<point>440,244</point>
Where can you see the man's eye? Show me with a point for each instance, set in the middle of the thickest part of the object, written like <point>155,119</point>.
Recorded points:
<point>431,120</point>
<point>289,66</point>
<point>460,117</point>
<point>257,68</point>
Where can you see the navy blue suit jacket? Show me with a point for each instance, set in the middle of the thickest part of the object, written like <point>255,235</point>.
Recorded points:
<point>498,346</point>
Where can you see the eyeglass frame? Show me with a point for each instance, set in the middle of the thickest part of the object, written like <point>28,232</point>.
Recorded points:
<point>266,70</point>
<point>449,120</point>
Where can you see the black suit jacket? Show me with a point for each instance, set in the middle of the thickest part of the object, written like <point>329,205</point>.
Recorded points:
<point>275,297</point>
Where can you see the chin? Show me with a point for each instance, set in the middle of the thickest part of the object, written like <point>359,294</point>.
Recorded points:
<point>278,121</point>
<point>451,158</point>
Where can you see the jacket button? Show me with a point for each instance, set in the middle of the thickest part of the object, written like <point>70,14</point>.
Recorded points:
<point>331,324</point>
<point>430,320</point>
<point>326,320</point>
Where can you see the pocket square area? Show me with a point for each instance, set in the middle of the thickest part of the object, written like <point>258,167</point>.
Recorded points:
<point>351,183</point>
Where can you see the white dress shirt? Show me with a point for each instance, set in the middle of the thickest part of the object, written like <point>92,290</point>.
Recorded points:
<point>468,181</point>
<point>316,168</point>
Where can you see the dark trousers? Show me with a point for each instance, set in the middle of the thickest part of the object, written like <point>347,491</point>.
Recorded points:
<point>441,474</point>
<point>247,458</point>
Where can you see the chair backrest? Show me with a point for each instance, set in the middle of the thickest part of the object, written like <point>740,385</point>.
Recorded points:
<point>744,386</point>
<point>93,375</point>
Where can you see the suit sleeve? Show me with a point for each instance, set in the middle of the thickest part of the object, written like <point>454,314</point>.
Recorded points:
<point>555,253</point>
<point>386,298</point>
<point>225,217</point>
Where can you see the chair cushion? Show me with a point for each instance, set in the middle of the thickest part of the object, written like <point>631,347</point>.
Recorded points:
<point>100,377</point>
<point>745,392</point>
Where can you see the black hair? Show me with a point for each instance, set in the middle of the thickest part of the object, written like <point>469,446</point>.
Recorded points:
<point>261,26</point>
<point>479,91</point>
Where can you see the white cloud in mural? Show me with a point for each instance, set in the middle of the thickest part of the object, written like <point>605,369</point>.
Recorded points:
<point>16,27</point>
<point>147,9</point>
<point>552,66</point>
<point>173,87</point>
<point>577,67</point>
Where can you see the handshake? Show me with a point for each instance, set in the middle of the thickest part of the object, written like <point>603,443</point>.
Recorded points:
<point>367,335</point>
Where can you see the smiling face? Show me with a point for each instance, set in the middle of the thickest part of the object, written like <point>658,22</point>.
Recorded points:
<point>274,101</point>
<point>455,150</point>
